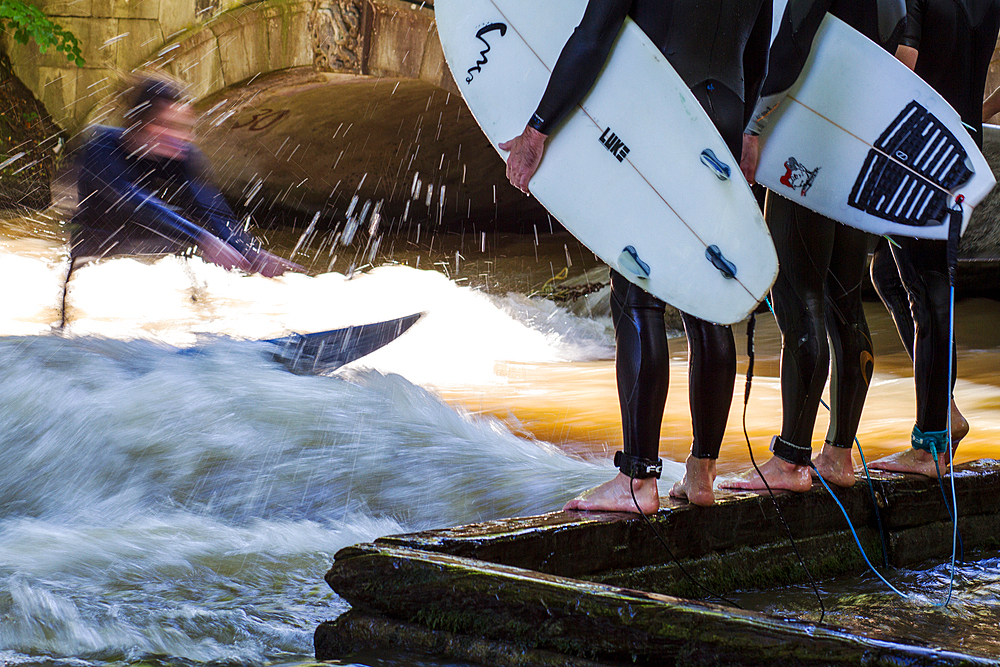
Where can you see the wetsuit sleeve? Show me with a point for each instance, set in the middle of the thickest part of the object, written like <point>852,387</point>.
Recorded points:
<point>580,62</point>
<point>211,208</point>
<point>789,53</point>
<point>914,24</point>
<point>106,176</point>
<point>755,55</point>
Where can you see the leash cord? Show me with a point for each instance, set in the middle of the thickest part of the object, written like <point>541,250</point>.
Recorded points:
<point>751,325</point>
<point>649,523</point>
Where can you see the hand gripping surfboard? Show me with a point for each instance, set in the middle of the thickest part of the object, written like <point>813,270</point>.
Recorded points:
<point>637,172</point>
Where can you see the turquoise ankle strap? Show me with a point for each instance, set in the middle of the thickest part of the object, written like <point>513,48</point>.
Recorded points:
<point>935,442</point>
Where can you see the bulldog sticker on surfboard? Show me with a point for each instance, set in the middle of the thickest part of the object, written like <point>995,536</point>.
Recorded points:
<point>798,177</point>
<point>896,158</point>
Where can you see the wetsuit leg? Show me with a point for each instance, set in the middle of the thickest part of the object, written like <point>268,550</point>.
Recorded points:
<point>711,348</point>
<point>885,278</point>
<point>923,269</point>
<point>804,243</point>
<point>642,365</point>
<point>711,376</point>
<point>850,339</point>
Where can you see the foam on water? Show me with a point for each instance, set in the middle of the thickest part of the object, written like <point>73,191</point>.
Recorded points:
<point>172,492</point>
<point>462,338</point>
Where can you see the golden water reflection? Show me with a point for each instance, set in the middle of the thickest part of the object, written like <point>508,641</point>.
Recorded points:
<point>575,405</point>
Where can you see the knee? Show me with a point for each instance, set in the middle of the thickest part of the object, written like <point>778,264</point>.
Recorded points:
<point>803,330</point>
<point>884,273</point>
<point>930,301</point>
<point>711,346</point>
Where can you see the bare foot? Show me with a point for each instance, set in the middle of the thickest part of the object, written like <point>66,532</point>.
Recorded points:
<point>696,486</point>
<point>836,465</point>
<point>780,474</point>
<point>615,496</point>
<point>959,425</point>
<point>912,461</point>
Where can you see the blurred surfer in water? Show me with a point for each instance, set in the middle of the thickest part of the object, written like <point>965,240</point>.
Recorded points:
<point>950,44</point>
<point>719,48</point>
<point>144,190</point>
<point>817,295</point>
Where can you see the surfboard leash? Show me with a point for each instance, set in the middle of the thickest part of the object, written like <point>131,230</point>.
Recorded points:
<point>954,233</point>
<point>871,491</point>
<point>823,481</point>
<point>711,593</point>
<point>954,229</point>
<point>751,327</point>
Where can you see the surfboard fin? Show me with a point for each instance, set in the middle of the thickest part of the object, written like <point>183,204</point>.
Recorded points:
<point>719,261</point>
<point>629,262</point>
<point>718,167</point>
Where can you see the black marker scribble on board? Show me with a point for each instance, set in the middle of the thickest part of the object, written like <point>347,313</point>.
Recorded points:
<point>502,27</point>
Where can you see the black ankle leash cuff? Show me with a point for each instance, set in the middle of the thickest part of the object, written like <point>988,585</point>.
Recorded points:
<point>790,452</point>
<point>637,467</point>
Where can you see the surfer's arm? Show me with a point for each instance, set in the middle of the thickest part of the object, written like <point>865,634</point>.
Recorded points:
<point>580,62</point>
<point>210,207</point>
<point>573,76</point>
<point>107,178</point>
<point>755,55</point>
<point>909,43</point>
<point>788,56</point>
<point>214,213</point>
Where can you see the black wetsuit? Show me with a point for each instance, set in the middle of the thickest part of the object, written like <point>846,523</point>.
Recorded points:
<point>131,205</point>
<point>822,263</point>
<point>719,48</point>
<point>954,40</point>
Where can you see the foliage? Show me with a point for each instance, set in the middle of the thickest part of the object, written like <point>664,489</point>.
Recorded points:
<point>29,22</point>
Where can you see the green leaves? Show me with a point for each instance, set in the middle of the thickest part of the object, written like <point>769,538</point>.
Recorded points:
<point>29,22</point>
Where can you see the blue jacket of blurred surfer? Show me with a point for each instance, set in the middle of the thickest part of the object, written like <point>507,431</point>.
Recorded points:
<point>145,189</point>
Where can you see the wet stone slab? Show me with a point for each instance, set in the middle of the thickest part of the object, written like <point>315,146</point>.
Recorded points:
<point>603,587</point>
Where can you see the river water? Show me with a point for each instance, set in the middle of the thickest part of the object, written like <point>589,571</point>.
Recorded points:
<point>171,496</point>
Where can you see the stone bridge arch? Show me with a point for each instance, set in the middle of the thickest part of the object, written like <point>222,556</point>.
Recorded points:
<point>307,105</point>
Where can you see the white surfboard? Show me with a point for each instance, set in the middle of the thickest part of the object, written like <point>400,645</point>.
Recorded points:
<point>637,172</point>
<point>863,140</point>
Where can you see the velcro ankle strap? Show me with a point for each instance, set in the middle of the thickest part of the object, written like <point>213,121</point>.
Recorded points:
<point>935,442</point>
<point>637,467</point>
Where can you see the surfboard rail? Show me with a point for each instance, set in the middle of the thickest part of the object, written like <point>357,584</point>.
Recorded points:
<point>862,139</point>
<point>638,172</point>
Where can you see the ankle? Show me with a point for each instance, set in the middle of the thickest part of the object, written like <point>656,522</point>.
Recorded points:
<point>638,484</point>
<point>787,466</point>
<point>702,466</point>
<point>835,454</point>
